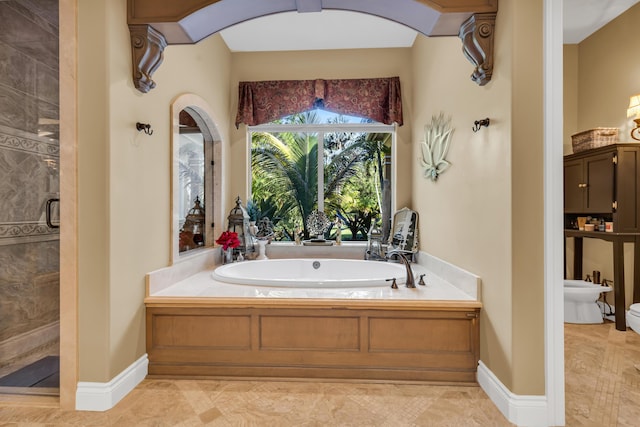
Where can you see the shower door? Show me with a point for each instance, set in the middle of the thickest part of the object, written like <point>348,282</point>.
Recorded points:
<point>29,197</point>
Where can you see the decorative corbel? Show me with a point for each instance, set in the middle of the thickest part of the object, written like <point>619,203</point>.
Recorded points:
<point>477,44</point>
<point>147,47</point>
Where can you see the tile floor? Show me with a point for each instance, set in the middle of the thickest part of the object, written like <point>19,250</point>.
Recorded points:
<point>602,387</point>
<point>602,383</point>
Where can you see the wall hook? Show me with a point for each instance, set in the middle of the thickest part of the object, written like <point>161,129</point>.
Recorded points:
<point>144,127</point>
<point>479,123</point>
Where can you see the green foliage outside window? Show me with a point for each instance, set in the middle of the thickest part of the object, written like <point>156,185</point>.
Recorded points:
<point>285,177</point>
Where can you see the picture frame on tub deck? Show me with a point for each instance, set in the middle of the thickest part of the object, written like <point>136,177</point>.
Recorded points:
<point>404,235</point>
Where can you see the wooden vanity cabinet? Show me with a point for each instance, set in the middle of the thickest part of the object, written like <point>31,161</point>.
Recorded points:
<point>605,183</point>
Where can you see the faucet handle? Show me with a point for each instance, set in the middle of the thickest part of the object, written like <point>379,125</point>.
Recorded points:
<point>421,282</point>
<point>394,285</point>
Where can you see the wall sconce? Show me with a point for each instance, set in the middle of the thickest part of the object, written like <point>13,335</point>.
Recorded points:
<point>634,110</point>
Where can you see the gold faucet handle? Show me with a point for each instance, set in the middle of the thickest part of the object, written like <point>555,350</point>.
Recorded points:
<point>421,282</point>
<point>394,285</point>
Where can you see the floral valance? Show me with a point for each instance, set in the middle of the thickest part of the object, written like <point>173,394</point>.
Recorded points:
<point>265,101</point>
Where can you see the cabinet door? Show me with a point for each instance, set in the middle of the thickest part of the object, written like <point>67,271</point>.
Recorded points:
<point>599,172</point>
<point>628,190</point>
<point>573,190</point>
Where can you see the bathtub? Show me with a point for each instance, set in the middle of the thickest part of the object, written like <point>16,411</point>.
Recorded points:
<point>278,318</point>
<point>311,273</point>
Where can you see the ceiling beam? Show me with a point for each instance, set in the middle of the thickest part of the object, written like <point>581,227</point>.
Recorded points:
<point>154,24</point>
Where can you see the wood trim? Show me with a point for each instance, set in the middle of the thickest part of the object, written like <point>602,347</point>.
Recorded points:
<point>364,344</point>
<point>68,24</point>
<point>148,11</point>
<point>477,34</point>
<point>457,6</point>
<point>199,302</point>
<point>154,23</point>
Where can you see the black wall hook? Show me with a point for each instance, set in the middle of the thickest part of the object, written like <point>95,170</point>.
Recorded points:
<point>479,123</point>
<point>144,127</point>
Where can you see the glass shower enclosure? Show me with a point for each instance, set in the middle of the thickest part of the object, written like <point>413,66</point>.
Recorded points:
<point>29,197</point>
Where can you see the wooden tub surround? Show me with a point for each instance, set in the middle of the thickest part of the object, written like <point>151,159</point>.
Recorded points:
<point>199,327</point>
<point>333,339</point>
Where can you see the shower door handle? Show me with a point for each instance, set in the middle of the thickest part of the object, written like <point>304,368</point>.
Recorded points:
<point>48,213</point>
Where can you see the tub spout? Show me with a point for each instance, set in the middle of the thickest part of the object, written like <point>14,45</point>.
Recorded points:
<point>410,282</point>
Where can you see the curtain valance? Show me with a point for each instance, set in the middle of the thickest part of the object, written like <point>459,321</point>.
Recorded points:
<point>264,101</point>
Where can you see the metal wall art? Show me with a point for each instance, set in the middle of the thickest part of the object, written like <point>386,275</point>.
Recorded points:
<point>434,148</point>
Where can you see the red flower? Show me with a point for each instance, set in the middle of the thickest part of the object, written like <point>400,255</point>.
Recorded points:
<point>228,239</point>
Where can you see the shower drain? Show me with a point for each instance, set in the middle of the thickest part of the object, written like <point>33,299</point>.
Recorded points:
<point>316,264</point>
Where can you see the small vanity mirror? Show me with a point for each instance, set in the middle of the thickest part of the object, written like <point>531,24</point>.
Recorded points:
<point>404,235</point>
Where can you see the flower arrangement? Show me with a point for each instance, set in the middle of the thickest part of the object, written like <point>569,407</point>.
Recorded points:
<point>228,239</point>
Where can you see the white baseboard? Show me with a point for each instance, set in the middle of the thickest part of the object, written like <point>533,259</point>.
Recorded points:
<point>525,411</point>
<point>103,396</point>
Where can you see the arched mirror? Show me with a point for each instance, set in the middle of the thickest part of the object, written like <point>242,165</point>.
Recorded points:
<point>196,144</point>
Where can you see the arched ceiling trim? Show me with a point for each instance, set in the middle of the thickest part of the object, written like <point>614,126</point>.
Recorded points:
<point>153,24</point>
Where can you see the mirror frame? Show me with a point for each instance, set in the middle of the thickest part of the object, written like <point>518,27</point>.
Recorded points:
<point>202,114</point>
<point>399,219</point>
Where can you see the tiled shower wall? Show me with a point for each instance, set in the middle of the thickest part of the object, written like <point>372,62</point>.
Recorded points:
<point>29,155</point>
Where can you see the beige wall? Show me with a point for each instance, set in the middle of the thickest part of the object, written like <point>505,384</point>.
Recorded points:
<point>607,74</point>
<point>484,213</point>
<point>570,95</point>
<point>124,177</point>
<point>527,197</point>
<point>324,64</point>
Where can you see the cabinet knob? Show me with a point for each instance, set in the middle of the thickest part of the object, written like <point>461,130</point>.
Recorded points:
<point>582,185</point>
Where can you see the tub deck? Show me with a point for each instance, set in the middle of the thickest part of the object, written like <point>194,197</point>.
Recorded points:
<point>198,327</point>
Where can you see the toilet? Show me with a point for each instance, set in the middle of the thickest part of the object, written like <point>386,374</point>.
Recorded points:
<point>633,317</point>
<point>580,302</point>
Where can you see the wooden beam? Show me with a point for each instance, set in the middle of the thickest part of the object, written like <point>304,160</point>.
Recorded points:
<point>154,24</point>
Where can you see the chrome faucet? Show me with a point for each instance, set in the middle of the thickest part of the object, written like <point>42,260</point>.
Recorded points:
<point>410,282</point>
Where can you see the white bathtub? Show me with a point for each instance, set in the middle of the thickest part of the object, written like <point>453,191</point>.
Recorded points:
<point>311,273</point>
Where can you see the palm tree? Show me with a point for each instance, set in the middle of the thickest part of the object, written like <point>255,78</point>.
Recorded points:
<point>286,164</point>
<point>287,167</point>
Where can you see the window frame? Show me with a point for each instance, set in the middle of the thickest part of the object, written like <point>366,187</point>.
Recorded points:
<point>321,129</point>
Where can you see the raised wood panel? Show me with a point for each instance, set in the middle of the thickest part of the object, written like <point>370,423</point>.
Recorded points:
<point>419,335</point>
<point>309,333</point>
<point>200,331</point>
<point>573,192</point>
<point>627,191</point>
<point>379,374</point>
<point>600,185</point>
<point>383,344</point>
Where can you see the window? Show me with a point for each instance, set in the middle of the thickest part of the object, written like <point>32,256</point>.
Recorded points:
<point>339,165</point>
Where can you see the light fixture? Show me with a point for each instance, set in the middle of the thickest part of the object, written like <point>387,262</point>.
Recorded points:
<point>634,111</point>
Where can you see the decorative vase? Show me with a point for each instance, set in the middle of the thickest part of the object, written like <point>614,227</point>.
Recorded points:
<point>228,256</point>
<point>262,244</point>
